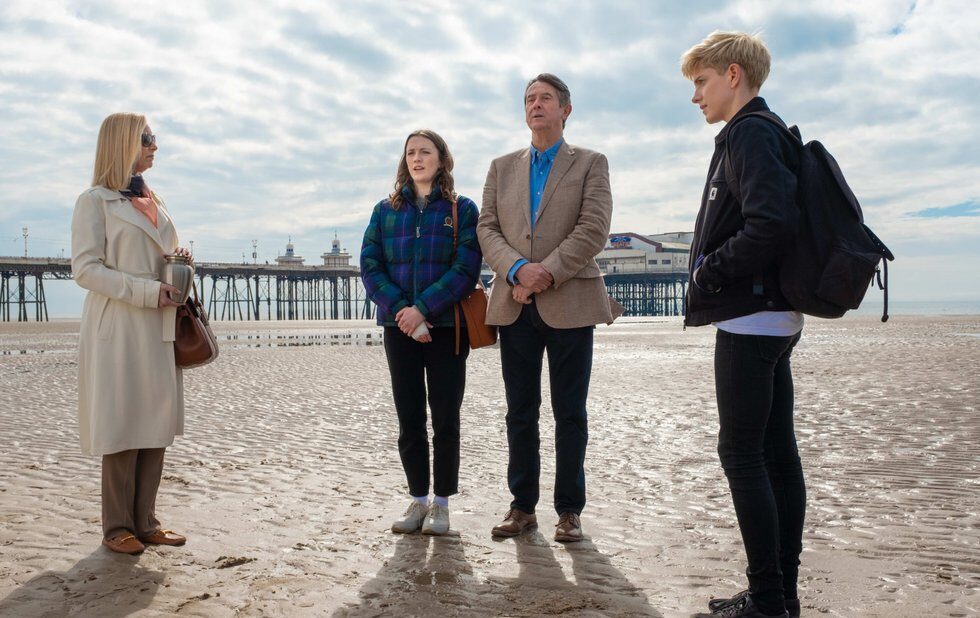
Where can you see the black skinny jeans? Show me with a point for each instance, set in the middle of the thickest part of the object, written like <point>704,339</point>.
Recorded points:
<point>414,365</point>
<point>757,447</point>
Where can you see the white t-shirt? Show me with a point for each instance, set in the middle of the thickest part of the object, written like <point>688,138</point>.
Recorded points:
<point>771,323</point>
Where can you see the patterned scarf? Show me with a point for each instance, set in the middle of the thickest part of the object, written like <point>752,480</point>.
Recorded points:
<point>141,198</point>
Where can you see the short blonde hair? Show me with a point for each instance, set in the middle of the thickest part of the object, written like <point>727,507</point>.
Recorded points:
<point>118,149</point>
<point>722,49</point>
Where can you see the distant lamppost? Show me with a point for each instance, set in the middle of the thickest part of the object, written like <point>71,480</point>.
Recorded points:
<point>255,254</point>
<point>192,248</point>
<point>24,231</point>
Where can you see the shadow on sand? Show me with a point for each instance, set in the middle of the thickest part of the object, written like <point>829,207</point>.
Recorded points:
<point>430,576</point>
<point>102,584</point>
<point>417,582</point>
<point>541,586</point>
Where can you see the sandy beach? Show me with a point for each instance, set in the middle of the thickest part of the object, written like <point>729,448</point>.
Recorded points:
<point>287,479</point>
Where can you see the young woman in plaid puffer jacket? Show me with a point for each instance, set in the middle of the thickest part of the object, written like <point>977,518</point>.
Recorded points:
<point>415,277</point>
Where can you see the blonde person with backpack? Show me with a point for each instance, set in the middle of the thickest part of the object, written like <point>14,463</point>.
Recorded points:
<point>748,215</point>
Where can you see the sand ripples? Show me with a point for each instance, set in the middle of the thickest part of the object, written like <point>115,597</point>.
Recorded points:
<point>288,477</point>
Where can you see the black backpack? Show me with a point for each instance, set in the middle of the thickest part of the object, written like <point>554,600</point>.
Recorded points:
<point>833,259</point>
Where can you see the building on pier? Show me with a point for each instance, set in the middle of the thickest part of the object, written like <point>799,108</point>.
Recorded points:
<point>336,258</point>
<point>647,274</point>
<point>629,252</point>
<point>290,259</point>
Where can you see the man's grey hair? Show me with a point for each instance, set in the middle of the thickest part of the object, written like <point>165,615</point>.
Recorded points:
<point>564,94</point>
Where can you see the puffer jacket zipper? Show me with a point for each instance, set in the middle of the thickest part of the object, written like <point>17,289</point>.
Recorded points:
<point>417,249</point>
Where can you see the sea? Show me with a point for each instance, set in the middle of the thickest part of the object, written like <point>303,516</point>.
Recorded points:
<point>64,301</point>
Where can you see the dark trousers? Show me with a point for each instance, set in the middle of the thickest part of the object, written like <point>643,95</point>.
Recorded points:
<point>757,447</point>
<point>414,365</point>
<point>522,348</point>
<point>130,480</point>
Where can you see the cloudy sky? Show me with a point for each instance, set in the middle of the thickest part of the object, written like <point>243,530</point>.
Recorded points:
<point>286,118</point>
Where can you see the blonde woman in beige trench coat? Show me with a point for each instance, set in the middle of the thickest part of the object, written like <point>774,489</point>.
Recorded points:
<point>130,393</point>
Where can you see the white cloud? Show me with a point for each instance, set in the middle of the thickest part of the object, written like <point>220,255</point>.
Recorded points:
<point>278,119</point>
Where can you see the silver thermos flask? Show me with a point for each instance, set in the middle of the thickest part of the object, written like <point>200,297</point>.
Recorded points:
<point>178,272</point>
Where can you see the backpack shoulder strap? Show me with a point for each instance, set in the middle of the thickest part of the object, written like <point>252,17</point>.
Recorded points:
<point>792,132</point>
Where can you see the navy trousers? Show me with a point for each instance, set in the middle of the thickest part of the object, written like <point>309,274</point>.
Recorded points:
<point>522,348</point>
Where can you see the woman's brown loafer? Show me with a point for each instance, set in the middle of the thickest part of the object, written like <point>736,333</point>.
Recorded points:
<point>124,544</point>
<point>164,537</point>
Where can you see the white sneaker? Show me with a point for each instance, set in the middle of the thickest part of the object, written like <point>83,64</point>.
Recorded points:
<point>411,521</point>
<point>437,522</point>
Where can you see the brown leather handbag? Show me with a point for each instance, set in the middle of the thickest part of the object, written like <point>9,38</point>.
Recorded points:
<point>194,342</point>
<point>473,306</point>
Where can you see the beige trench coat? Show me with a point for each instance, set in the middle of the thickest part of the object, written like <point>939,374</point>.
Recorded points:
<point>130,393</point>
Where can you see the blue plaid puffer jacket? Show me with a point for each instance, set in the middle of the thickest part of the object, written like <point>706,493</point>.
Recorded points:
<point>407,257</point>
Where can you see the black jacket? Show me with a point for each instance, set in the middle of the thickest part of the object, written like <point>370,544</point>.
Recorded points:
<point>738,238</point>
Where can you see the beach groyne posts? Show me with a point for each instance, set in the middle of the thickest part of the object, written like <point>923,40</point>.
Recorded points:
<point>22,286</point>
<point>282,292</point>
<point>649,293</point>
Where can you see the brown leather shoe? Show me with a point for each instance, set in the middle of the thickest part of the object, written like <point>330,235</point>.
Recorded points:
<point>514,522</point>
<point>569,528</point>
<point>124,543</point>
<point>164,537</point>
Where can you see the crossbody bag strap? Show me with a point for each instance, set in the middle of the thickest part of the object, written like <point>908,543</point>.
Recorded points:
<point>455,235</point>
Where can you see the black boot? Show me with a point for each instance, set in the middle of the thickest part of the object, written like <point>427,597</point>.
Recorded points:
<point>792,605</point>
<point>740,607</point>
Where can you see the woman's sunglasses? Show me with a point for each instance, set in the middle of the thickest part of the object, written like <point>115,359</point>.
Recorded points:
<point>149,139</point>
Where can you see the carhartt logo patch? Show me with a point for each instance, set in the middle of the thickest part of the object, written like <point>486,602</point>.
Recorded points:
<point>713,193</point>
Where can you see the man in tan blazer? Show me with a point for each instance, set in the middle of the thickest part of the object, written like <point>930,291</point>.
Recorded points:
<point>545,216</point>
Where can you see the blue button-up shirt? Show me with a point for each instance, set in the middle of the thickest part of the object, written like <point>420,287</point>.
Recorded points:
<point>541,162</point>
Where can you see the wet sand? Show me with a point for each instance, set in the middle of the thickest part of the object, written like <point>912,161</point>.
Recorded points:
<point>288,477</point>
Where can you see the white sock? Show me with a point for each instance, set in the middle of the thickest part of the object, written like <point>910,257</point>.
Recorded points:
<point>423,500</point>
<point>441,501</point>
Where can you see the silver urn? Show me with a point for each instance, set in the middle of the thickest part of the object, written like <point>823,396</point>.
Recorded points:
<point>178,272</point>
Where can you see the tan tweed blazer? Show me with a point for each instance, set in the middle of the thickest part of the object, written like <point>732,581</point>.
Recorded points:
<point>571,228</point>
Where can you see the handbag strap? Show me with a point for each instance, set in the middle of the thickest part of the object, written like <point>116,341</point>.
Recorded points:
<point>479,280</point>
<point>195,307</point>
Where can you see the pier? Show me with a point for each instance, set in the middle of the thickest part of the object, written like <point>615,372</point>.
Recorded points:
<point>646,274</point>
<point>298,292</point>
<point>22,286</point>
<point>282,292</point>
<point>649,293</point>
<point>228,291</point>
